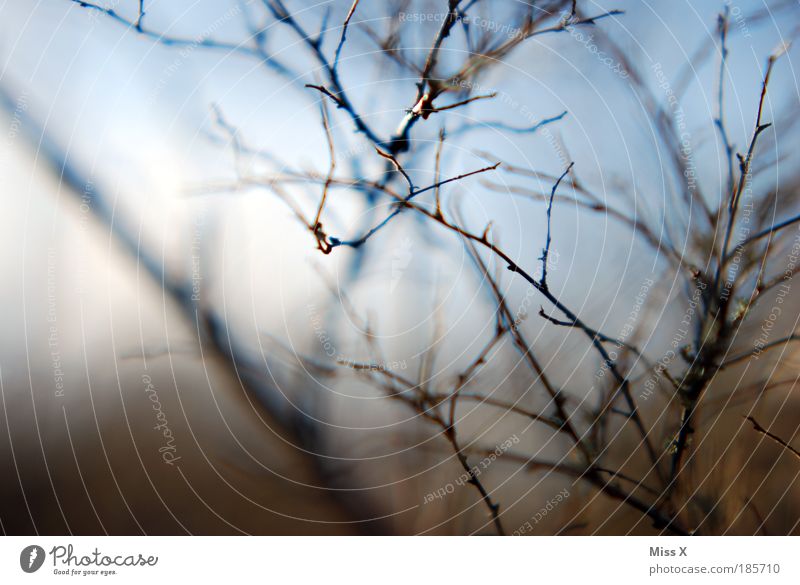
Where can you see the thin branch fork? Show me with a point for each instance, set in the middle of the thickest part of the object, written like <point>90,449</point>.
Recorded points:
<point>592,203</point>
<point>458,104</point>
<point>494,508</point>
<point>554,423</point>
<point>498,125</point>
<point>600,336</point>
<point>705,365</point>
<point>405,202</point>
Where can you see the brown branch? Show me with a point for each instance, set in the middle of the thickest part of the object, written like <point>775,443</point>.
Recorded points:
<point>554,423</point>
<point>704,366</point>
<point>316,226</point>
<point>399,168</point>
<point>458,104</point>
<point>404,202</point>
<point>522,345</point>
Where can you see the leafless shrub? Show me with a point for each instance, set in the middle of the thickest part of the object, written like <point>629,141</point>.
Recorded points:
<point>635,436</point>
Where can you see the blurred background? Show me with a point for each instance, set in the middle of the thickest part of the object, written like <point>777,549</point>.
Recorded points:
<point>171,329</point>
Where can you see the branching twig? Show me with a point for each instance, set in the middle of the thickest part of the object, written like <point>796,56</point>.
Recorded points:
<point>744,169</point>
<point>405,202</point>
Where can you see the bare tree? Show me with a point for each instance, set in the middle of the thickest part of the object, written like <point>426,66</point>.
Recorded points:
<point>728,251</point>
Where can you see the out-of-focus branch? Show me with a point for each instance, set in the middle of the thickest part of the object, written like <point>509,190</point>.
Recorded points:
<point>215,335</point>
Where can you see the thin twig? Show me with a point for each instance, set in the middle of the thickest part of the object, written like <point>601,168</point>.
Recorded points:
<point>437,172</point>
<point>316,226</point>
<point>744,170</point>
<point>768,231</point>
<point>140,17</point>
<point>404,202</point>
<point>546,251</point>
<point>720,119</point>
<point>206,43</point>
<point>759,429</point>
<point>344,33</point>
<point>759,350</point>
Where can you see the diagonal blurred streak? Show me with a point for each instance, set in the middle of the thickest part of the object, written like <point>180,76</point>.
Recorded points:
<point>214,335</point>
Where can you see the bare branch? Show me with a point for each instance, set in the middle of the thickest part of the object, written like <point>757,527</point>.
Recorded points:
<point>170,41</point>
<point>744,169</point>
<point>405,202</point>
<point>759,350</point>
<point>344,33</point>
<point>768,232</point>
<point>316,226</point>
<point>759,429</point>
<point>546,251</point>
